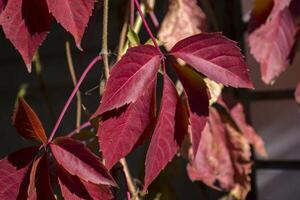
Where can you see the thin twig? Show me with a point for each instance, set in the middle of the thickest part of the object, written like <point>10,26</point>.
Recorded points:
<point>122,39</point>
<point>147,27</point>
<point>131,185</point>
<point>74,80</point>
<point>78,129</point>
<point>104,38</point>
<point>131,13</point>
<point>76,88</point>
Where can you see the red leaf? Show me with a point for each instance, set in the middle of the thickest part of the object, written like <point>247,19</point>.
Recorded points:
<point>74,188</point>
<point>73,15</point>
<point>197,95</point>
<point>27,122</point>
<point>183,19</point>
<point>13,170</point>
<point>26,24</point>
<point>79,161</point>
<point>129,77</point>
<point>2,5</point>
<point>120,131</point>
<point>212,161</point>
<point>163,145</point>
<point>237,113</point>
<point>216,57</point>
<point>39,185</point>
<point>223,157</point>
<point>271,43</point>
<point>297,93</point>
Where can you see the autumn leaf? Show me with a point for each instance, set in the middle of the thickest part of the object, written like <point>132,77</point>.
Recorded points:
<point>13,170</point>
<point>271,44</point>
<point>73,188</point>
<point>163,145</point>
<point>223,157</point>
<point>183,19</point>
<point>197,96</point>
<point>27,122</point>
<point>79,161</point>
<point>129,77</point>
<point>120,131</point>
<point>73,15</point>
<point>237,113</point>
<point>26,24</point>
<point>39,185</point>
<point>216,57</point>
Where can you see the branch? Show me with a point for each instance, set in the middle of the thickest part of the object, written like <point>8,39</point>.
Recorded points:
<point>147,26</point>
<point>74,80</point>
<point>76,88</point>
<point>104,51</point>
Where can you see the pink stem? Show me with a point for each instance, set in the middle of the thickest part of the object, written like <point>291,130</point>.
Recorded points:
<point>154,19</point>
<point>82,126</point>
<point>131,13</point>
<point>72,96</point>
<point>147,27</point>
<point>128,196</point>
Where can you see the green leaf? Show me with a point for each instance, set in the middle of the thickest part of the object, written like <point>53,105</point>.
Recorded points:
<point>133,38</point>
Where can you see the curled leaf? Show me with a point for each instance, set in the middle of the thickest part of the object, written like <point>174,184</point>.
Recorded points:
<point>27,122</point>
<point>183,19</point>
<point>271,44</point>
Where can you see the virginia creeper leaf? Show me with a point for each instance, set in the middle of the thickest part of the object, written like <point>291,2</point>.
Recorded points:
<point>271,43</point>
<point>73,187</point>
<point>2,5</point>
<point>79,161</point>
<point>212,162</point>
<point>183,19</point>
<point>163,145</point>
<point>73,15</point>
<point>297,93</point>
<point>216,57</point>
<point>119,132</point>
<point>26,24</point>
<point>237,113</point>
<point>223,157</point>
<point>27,122</point>
<point>13,169</point>
<point>129,77</point>
<point>197,96</point>
<point>39,185</point>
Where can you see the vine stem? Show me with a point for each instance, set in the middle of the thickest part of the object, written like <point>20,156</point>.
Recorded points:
<point>131,13</point>
<point>76,88</point>
<point>104,51</point>
<point>74,80</point>
<point>78,129</point>
<point>137,4</point>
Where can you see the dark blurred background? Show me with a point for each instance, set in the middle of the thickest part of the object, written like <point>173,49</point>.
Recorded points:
<point>276,119</point>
